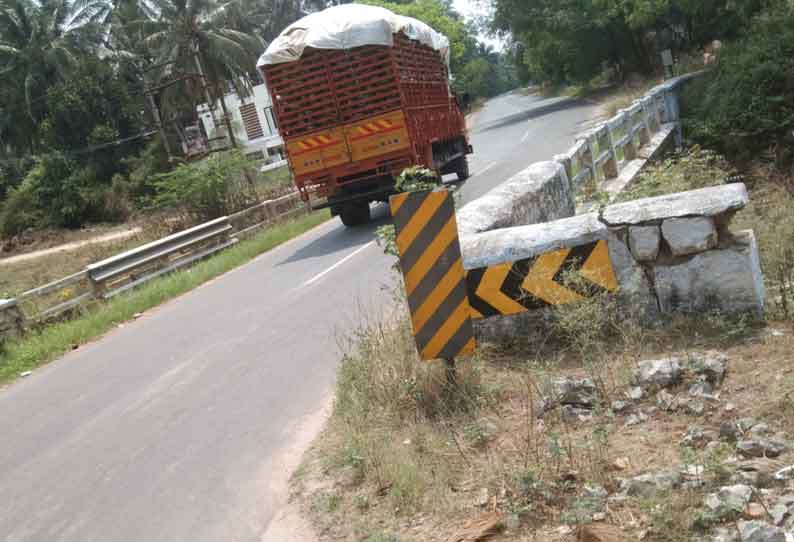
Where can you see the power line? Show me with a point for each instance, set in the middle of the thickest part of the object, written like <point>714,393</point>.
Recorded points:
<point>93,148</point>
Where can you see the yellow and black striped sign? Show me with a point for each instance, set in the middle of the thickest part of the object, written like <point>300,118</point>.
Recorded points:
<point>427,240</point>
<point>555,278</point>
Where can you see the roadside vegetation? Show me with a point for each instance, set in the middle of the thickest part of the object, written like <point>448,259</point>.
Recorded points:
<point>588,426</point>
<point>40,346</point>
<point>552,436</point>
<point>95,98</point>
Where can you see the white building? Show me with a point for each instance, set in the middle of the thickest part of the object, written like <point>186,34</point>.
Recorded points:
<point>253,123</point>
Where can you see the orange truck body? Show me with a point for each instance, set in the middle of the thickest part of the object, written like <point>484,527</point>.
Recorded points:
<point>352,120</point>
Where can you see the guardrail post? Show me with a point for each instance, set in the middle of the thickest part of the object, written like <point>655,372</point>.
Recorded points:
<point>590,156</point>
<point>630,149</point>
<point>646,133</point>
<point>611,165</point>
<point>11,319</point>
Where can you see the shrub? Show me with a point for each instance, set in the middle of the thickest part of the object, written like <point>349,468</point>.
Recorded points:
<point>695,168</point>
<point>12,172</point>
<point>746,103</point>
<point>144,167</point>
<point>20,210</point>
<point>207,189</point>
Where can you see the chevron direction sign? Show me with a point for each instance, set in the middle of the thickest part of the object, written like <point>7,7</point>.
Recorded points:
<point>444,299</point>
<point>554,278</point>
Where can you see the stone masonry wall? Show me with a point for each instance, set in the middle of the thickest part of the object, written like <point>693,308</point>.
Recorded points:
<point>673,253</point>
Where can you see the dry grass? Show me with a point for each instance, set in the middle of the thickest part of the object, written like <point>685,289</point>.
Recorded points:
<point>18,277</point>
<point>407,458</point>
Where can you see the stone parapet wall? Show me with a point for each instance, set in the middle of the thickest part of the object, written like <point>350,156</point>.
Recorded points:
<point>537,194</point>
<point>610,154</point>
<point>673,253</point>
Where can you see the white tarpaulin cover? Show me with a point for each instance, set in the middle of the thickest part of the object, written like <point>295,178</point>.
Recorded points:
<point>348,26</point>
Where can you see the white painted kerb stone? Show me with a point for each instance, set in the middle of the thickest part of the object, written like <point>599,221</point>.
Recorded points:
<point>712,201</point>
<point>540,193</point>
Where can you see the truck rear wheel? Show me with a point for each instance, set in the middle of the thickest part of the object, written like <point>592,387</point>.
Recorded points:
<point>461,168</point>
<point>355,214</point>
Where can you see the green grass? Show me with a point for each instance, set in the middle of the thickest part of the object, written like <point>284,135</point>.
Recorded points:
<point>39,347</point>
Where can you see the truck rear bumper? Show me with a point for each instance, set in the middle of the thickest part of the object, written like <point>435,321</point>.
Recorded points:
<point>371,195</point>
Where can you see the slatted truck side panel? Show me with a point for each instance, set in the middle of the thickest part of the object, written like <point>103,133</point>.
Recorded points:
<point>353,119</point>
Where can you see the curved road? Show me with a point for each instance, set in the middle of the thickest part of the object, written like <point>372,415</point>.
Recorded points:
<point>183,425</point>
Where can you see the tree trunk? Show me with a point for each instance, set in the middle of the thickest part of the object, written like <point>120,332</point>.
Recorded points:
<point>159,122</point>
<point>227,120</point>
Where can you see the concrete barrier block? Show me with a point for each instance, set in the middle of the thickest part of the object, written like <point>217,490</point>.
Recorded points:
<point>727,279</point>
<point>540,193</point>
<point>712,201</point>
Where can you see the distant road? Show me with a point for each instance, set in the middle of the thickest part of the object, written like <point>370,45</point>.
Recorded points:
<point>183,425</point>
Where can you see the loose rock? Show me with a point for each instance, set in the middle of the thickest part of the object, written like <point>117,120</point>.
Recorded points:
<point>701,389</point>
<point>728,499</point>
<point>696,436</point>
<point>574,414</point>
<point>658,372</point>
<point>636,393</point>
<point>573,391</point>
<point>758,531</point>
<point>693,406</point>
<point>636,419</point>
<point>712,364</point>
<point>761,447</point>
<point>666,401</point>
<point>647,485</point>
<point>619,406</point>
<point>779,513</point>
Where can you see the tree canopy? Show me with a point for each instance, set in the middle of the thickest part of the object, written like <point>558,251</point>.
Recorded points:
<point>574,40</point>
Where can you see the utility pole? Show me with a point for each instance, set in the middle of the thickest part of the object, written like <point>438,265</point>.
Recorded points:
<point>159,122</point>
<point>222,98</point>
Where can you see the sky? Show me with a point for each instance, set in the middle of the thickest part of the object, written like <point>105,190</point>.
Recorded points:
<point>478,9</point>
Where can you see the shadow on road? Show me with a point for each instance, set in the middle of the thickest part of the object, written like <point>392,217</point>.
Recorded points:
<point>340,238</point>
<point>561,104</point>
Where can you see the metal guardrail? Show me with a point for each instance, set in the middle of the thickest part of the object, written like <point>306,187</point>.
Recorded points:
<point>129,269</point>
<point>122,272</point>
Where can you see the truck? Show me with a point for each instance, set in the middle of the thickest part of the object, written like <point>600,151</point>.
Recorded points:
<point>360,94</point>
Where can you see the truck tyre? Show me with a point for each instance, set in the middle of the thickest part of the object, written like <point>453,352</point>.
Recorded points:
<point>355,214</point>
<point>462,168</point>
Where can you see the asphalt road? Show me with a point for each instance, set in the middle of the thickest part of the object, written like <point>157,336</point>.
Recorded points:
<point>182,425</point>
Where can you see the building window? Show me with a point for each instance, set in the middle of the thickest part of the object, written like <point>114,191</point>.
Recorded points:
<point>271,120</point>
<point>253,128</point>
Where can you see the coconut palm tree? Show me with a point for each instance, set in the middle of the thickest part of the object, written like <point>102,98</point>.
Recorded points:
<point>199,49</point>
<point>39,43</point>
